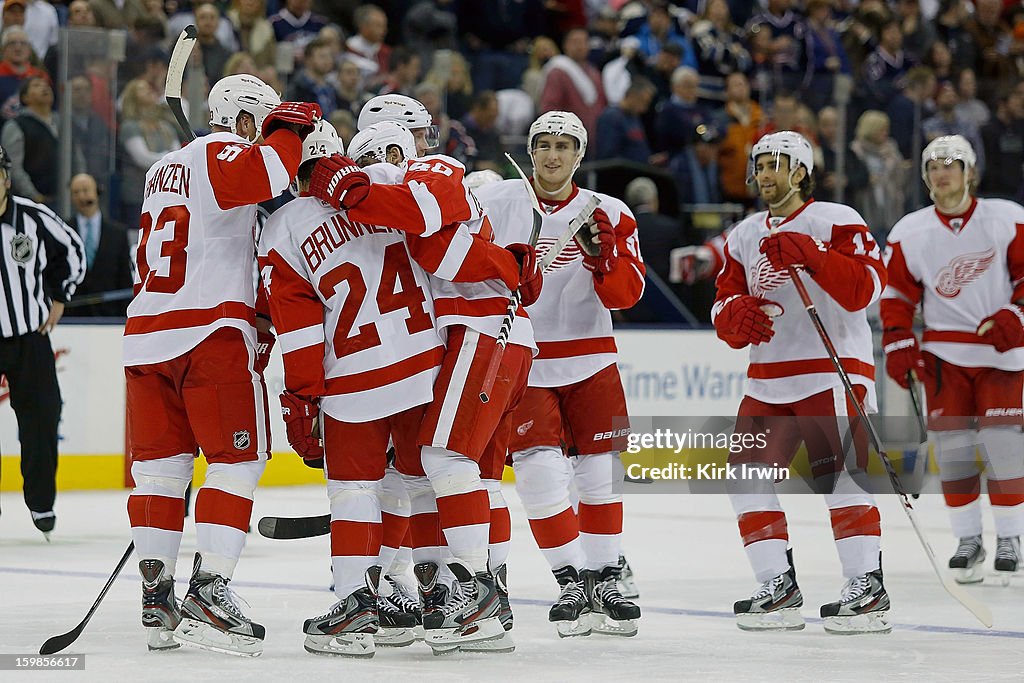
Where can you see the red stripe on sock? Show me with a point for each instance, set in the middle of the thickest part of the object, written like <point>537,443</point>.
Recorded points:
<point>555,531</point>
<point>962,492</point>
<point>355,539</point>
<point>464,509</point>
<point>425,531</point>
<point>214,506</point>
<point>157,512</point>
<point>856,520</point>
<point>601,519</point>
<point>761,526</point>
<point>501,526</point>
<point>396,528</point>
<point>1006,492</point>
<point>407,539</point>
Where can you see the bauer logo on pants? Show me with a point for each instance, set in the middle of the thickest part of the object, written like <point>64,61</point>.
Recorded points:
<point>241,439</point>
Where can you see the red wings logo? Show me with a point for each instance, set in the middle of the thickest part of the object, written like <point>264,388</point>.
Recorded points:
<point>765,278</point>
<point>962,271</point>
<point>570,253</point>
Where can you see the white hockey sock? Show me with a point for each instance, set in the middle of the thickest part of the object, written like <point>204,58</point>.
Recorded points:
<point>223,512</point>
<point>543,475</point>
<point>156,507</point>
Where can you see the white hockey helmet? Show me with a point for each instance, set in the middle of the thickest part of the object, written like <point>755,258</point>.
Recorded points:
<point>375,139</point>
<point>480,178</point>
<point>241,92</point>
<point>400,109</point>
<point>790,143</point>
<point>323,141</point>
<point>947,149</point>
<point>559,123</point>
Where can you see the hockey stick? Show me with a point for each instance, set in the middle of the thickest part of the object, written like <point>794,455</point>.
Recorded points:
<point>291,528</point>
<point>514,300</point>
<point>58,643</point>
<point>175,75</point>
<point>972,604</point>
<point>921,459</point>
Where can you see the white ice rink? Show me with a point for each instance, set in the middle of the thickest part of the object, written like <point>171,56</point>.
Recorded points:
<point>685,551</point>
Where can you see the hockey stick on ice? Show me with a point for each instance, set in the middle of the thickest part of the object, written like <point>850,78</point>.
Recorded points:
<point>972,604</point>
<point>58,643</point>
<point>175,75</point>
<point>921,459</point>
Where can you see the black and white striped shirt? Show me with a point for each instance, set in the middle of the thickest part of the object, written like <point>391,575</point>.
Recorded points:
<point>41,259</point>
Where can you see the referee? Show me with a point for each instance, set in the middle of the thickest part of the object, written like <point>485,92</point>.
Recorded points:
<point>41,263</point>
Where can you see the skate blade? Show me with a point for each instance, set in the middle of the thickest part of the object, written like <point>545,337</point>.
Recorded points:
<point>394,637</point>
<point>445,639</point>
<point>160,639</point>
<point>205,637</point>
<point>574,629</point>
<point>357,645</point>
<point>975,574</point>
<point>418,632</point>
<point>873,622</point>
<point>503,644</point>
<point>606,626</point>
<point>788,619</point>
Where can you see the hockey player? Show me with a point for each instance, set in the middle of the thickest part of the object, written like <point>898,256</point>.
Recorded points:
<point>404,110</point>
<point>460,435</point>
<point>792,385</point>
<point>962,261</point>
<point>574,380</point>
<point>190,348</point>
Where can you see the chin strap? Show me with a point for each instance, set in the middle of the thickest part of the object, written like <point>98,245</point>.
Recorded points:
<point>789,195</point>
<point>965,201</point>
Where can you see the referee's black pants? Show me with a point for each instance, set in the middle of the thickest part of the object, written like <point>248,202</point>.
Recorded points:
<point>27,361</point>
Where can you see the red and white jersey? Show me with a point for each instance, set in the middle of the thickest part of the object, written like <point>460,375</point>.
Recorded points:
<point>462,281</point>
<point>571,318</point>
<point>353,312</point>
<point>197,247</point>
<point>960,270</point>
<point>794,364</point>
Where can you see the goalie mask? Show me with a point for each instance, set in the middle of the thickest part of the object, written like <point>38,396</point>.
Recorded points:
<point>400,109</point>
<point>234,94</point>
<point>947,149</point>
<point>559,123</point>
<point>790,144</point>
<point>371,144</point>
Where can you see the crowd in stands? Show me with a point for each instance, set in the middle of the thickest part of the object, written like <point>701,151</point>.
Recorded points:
<point>682,86</point>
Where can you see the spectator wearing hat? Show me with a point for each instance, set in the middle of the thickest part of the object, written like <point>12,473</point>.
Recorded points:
<point>38,18</point>
<point>620,131</point>
<point>696,167</point>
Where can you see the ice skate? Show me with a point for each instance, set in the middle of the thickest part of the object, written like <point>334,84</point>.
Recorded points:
<point>398,613</point>
<point>469,615</point>
<point>505,609</point>
<point>1008,557</point>
<point>966,562</point>
<point>348,629</point>
<point>571,609</point>
<point>211,618</point>
<point>504,643</point>
<point>627,582</point>
<point>160,612</point>
<point>610,613</point>
<point>775,606</point>
<point>44,521</point>
<point>862,607</point>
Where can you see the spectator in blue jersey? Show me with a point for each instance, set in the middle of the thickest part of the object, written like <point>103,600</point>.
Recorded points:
<point>315,83</point>
<point>720,49</point>
<point>884,68</point>
<point>909,108</point>
<point>786,45</point>
<point>826,56</point>
<point>497,36</point>
<point>696,167</point>
<point>678,118</point>
<point>620,131</point>
<point>296,25</point>
<point>662,29</point>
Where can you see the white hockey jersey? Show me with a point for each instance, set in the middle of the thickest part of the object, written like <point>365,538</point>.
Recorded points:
<point>571,318</point>
<point>960,270</point>
<point>197,246</point>
<point>353,312</point>
<point>794,364</point>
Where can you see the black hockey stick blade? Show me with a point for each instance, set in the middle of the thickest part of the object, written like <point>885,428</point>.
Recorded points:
<point>58,643</point>
<point>175,75</point>
<point>290,528</point>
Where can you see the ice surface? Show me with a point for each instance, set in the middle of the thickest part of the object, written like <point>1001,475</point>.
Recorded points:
<point>685,551</point>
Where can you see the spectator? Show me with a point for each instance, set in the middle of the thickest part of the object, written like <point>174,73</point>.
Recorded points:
<point>79,16</point>
<point>786,29</point>
<point>429,25</point>
<point>678,118</point>
<point>253,31</point>
<point>743,118</point>
<point>883,68</point>
<point>918,32</point>
<point>970,107</point>
<point>241,63</point>
<point>1003,140</point>
<point>368,43</point>
<point>940,60</point>
<point>826,57</point>
<point>852,176</point>
<point>618,73</point>
<point>497,35</point>
<point>296,25</point>
<point>145,136</point>
<point>604,37</point>
<point>224,30</point>
<point>657,232</point>
<point>15,67</point>
<point>118,13</point>
<point>480,124</point>
<point>315,83</point>
<point>620,132</point>
<point>696,168</point>
<point>344,123</point>
<point>661,29</point>
<point>32,143</point>
<point>404,73</point>
<point>541,50</point>
<point>785,115</point>
<point>880,201</point>
<point>38,18</point>
<point>351,95</point>
<point>947,122</point>
<point>951,25</point>
<point>572,83</point>
<point>909,108</point>
<point>108,262</point>
<point>996,51</point>
<point>720,49</point>
<point>214,54</point>
<point>90,133</point>
<point>450,73</point>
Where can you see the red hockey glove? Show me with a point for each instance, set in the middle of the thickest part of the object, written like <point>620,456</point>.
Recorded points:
<point>902,355</point>
<point>786,249</point>
<point>746,319</point>
<point>339,181</point>
<point>301,420</point>
<point>1004,329</point>
<point>530,278</point>
<point>299,116</point>
<point>602,237</point>
<point>687,265</point>
<point>265,341</point>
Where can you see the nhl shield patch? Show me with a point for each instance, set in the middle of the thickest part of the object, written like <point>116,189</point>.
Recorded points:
<point>21,249</point>
<point>241,439</point>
